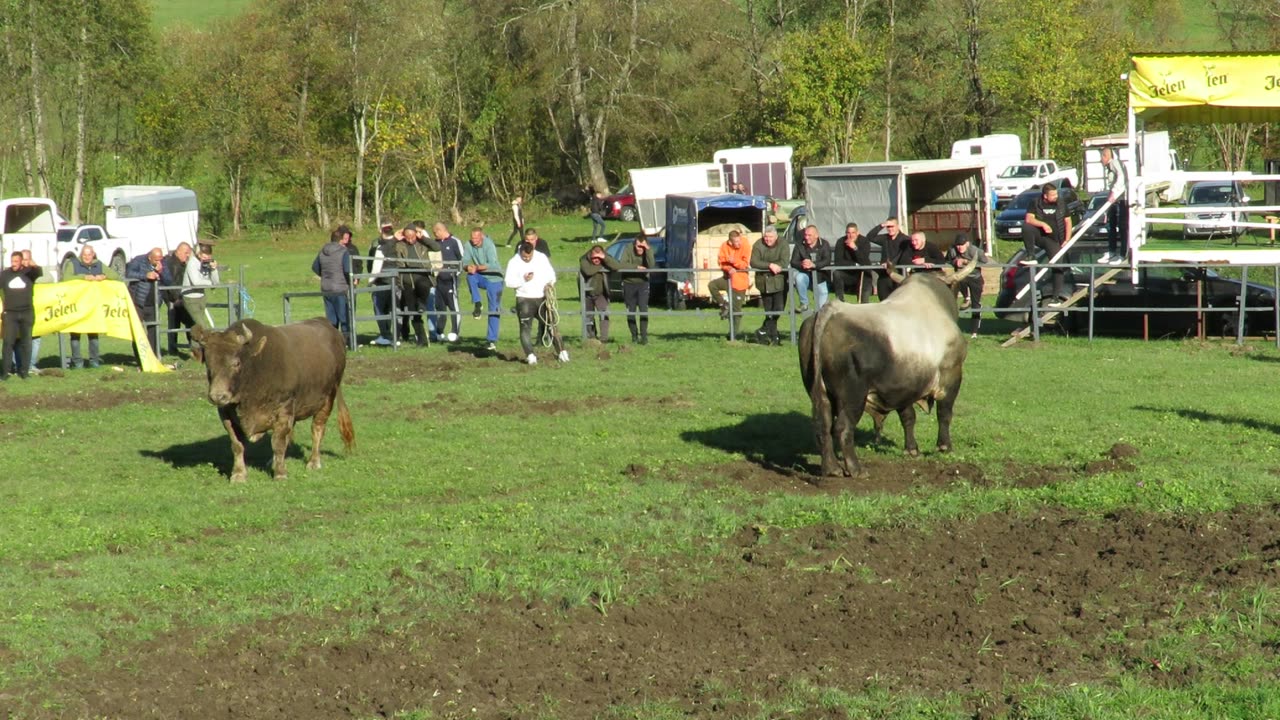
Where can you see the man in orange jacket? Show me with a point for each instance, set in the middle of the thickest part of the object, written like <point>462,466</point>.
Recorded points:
<point>735,262</point>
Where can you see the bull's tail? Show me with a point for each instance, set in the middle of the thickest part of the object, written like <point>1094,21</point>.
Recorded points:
<point>344,422</point>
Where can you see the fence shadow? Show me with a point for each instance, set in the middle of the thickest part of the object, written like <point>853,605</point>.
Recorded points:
<point>1202,416</point>
<point>216,451</point>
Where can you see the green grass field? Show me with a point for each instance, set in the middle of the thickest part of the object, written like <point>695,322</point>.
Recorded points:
<point>196,13</point>
<point>480,483</point>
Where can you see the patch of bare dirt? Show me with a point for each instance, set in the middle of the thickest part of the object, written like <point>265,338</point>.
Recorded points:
<point>447,404</point>
<point>98,399</point>
<point>968,607</point>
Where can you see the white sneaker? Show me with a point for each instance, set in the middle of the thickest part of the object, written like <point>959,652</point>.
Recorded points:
<point>564,356</point>
<point>451,337</point>
<point>973,336</point>
<point>1030,261</point>
<point>491,347</point>
<point>1105,259</point>
<point>1117,260</point>
<point>384,342</point>
<point>532,359</point>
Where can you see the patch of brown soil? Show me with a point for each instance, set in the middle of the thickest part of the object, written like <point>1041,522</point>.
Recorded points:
<point>97,399</point>
<point>969,607</point>
<point>447,404</point>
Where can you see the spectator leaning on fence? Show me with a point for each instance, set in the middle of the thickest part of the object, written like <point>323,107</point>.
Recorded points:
<point>484,274</point>
<point>383,251</point>
<point>854,249</point>
<point>177,314</point>
<point>810,259</point>
<point>200,275</point>
<point>769,260</point>
<point>892,242</point>
<point>734,259</point>
<point>333,266</point>
<point>593,269</point>
<point>86,267</point>
<point>636,259</point>
<point>144,273</point>
<point>529,273</point>
<point>963,254</point>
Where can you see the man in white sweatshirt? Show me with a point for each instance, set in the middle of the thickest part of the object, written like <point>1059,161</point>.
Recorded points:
<point>529,273</point>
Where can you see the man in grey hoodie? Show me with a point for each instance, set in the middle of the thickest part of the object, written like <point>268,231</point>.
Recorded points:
<point>333,265</point>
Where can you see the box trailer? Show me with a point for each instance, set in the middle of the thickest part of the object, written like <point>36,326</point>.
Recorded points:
<point>652,186</point>
<point>940,197</point>
<point>763,170</point>
<point>999,151</point>
<point>159,215</point>
<point>1156,157</point>
<point>697,224</point>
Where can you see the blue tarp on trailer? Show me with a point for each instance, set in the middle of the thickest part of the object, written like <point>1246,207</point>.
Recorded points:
<point>689,214</point>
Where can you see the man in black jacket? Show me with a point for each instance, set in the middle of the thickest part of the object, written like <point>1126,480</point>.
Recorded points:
<point>1047,225</point>
<point>810,259</point>
<point>594,268</point>
<point>892,243</point>
<point>854,249</point>
<point>175,268</point>
<point>18,281</point>
<point>597,216</point>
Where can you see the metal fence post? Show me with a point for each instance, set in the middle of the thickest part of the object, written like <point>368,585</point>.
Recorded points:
<point>1240,314</point>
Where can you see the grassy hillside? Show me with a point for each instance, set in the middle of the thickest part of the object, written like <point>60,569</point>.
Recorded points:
<point>196,13</point>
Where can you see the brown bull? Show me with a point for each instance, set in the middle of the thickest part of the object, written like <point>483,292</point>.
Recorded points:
<point>264,379</point>
<point>881,358</point>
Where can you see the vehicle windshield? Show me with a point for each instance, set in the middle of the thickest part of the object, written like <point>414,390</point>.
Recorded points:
<point>626,190</point>
<point>1023,201</point>
<point>1019,171</point>
<point>1210,195</point>
<point>1096,201</point>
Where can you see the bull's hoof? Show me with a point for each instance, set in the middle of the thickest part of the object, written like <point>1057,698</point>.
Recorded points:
<point>944,448</point>
<point>833,471</point>
<point>282,476</point>
<point>912,452</point>
<point>239,477</point>
<point>314,464</point>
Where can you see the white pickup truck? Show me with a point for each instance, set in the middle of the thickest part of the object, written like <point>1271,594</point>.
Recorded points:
<point>1029,174</point>
<point>160,217</point>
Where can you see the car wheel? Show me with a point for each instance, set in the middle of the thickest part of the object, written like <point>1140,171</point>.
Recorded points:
<point>67,269</point>
<point>117,266</point>
<point>1228,327</point>
<point>629,214</point>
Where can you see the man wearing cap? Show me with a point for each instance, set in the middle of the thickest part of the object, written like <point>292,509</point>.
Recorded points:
<point>383,252</point>
<point>963,254</point>
<point>484,273</point>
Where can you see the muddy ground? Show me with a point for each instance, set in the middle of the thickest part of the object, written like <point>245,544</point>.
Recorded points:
<point>973,607</point>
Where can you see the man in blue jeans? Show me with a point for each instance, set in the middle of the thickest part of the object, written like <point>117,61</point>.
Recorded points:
<point>597,217</point>
<point>810,259</point>
<point>333,265</point>
<point>484,273</point>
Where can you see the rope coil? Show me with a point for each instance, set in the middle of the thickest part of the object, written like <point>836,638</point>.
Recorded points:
<point>549,314</point>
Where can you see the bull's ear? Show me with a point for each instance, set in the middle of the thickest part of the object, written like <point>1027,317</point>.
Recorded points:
<point>198,334</point>
<point>259,346</point>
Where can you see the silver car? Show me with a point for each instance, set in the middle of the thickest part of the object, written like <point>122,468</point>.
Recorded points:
<point>1218,194</point>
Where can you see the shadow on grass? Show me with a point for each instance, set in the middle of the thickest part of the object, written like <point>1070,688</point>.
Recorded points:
<point>216,451</point>
<point>773,441</point>
<point>1202,416</point>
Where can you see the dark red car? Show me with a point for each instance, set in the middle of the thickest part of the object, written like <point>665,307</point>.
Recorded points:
<point>621,205</point>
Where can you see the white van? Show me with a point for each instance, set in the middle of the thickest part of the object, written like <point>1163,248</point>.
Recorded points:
<point>1000,150</point>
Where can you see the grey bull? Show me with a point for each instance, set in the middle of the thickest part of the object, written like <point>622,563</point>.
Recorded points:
<point>265,378</point>
<point>881,358</point>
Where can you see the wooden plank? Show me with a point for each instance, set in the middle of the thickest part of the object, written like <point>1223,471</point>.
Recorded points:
<point>1103,279</point>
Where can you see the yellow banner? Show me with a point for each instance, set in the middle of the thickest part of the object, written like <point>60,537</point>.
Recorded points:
<point>103,307</point>
<point>1212,87</point>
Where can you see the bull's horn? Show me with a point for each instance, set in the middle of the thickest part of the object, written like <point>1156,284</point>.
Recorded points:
<point>954,278</point>
<point>894,275</point>
<point>245,335</point>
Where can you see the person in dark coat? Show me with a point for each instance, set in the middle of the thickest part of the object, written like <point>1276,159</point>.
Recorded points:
<point>333,266</point>
<point>597,216</point>
<point>594,268</point>
<point>1047,226</point>
<point>144,274</point>
<point>853,249</point>
<point>769,260</point>
<point>892,240</point>
<point>635,287</point>
<point>18,282</point>
<point>963,254</point>
<point>810,259</point>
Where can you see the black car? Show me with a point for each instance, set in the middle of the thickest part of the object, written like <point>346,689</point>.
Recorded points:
<point>1099,230</point>
<point>1009,221</point>
<point>1159,286</point>
<point>657,280</point>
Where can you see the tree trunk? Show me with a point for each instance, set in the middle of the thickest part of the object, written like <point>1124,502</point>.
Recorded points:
<point>82,112</point>
<point>593,154</point>
<point>888,81</point>
<point>235,186</point>
<point>37,107</point>
<point>361,128</point>
<point>980,98</point>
